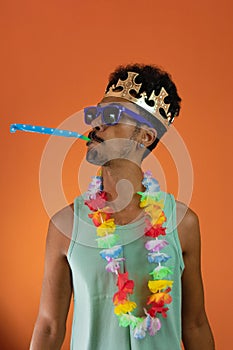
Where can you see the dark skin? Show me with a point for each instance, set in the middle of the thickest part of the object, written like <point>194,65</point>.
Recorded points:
<point>56,294</point>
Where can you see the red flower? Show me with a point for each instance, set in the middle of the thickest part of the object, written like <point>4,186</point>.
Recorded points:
<point>98,202</point>
<point>122,278</point>
<point>125,287</point>
<point>154,231</point>
<point>158,308</point>
<point>119,297</point>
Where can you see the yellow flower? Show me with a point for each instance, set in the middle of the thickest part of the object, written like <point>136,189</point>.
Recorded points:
<point>149,201</point>
<point>159,219</point>
<point>127,306</point>
<point>153,211</point>
<point>156,286</point>
<point>106,227</point>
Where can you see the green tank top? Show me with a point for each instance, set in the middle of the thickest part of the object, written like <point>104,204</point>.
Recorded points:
<point>95,326</point>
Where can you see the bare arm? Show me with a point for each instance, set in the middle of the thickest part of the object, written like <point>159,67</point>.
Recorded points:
<point>196,332</point>
<point>50,327</point>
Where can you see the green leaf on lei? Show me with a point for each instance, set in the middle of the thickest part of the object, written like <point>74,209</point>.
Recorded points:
<point>108,241</point>
<point>156,196</point>
<point>126,320</point>
<point>161,272</point>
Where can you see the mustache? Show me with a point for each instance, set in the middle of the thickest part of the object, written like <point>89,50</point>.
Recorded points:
<point>92,135</point>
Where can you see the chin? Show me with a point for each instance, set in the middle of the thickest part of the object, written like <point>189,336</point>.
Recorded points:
<point>94,157</point>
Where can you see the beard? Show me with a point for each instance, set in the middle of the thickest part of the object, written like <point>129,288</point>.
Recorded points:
<point>103,152</point>
<point>95,154</point>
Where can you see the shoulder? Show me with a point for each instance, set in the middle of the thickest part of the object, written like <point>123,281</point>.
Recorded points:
<point>187,226</point>
<point>185,215</point>
<point>60,229</point>
<point>63,219</point>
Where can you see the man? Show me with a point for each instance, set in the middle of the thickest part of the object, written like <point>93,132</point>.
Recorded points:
<point>122,230</point>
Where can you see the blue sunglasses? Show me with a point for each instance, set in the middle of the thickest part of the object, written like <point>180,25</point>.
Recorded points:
<point>111,114</point>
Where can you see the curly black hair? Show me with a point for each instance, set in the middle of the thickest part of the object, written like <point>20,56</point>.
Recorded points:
<point>152,78</point>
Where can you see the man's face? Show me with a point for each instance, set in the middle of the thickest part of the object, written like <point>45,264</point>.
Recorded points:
<point>109,142</point>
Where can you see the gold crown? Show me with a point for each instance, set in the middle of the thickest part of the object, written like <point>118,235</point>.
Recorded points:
<point>129,84</point>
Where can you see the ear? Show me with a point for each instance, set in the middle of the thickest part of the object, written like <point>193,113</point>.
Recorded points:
<point>148,136</point>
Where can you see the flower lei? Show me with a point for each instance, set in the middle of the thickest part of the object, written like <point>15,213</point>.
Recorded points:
<point>160,286</point>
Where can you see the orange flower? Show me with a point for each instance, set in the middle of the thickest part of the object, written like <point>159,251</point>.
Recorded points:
<point>99,216</point>
<point>158,297</point>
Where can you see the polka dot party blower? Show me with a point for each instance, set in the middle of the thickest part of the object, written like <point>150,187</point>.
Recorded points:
<point>48,131</point>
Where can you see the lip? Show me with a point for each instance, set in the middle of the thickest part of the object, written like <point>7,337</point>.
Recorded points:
<point>94,139</point>
<point>92,143</point>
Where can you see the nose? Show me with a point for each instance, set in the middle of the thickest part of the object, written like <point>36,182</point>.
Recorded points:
<point>97,124</point>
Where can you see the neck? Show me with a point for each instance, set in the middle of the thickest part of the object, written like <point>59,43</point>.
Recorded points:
<point>121,181</point>
<point>121,176</point>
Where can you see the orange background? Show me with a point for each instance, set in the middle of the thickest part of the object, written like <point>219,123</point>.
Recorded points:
<point>55,59</point>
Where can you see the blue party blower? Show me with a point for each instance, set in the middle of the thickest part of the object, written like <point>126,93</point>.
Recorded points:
<point>47,131</point>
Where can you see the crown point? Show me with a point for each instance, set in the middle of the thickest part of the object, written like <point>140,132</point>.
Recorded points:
<point>158,100</point>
